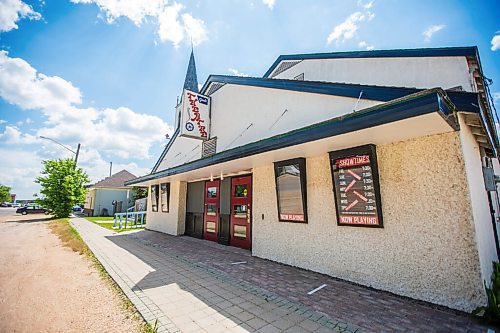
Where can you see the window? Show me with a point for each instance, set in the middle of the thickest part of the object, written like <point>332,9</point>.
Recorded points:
<point>154,197</point>
<point>212,192</point>
<point>165,197</point>
<point>291,190</point>
<point>356,186</point>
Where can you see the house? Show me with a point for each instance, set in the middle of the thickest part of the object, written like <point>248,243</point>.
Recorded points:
<point>109,196</point>
<point>376,167</point>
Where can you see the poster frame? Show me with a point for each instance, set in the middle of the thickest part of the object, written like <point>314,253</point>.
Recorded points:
<point>371,151</point>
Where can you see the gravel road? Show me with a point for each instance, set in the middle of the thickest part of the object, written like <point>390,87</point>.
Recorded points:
<point>45,287</point>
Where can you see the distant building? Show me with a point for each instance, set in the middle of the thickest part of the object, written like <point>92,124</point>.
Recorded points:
<point>376,167</point>
<point>109,196</point>
<point>12,198</point>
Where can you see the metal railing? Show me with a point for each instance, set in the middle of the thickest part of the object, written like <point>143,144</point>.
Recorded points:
<point>132,218</point>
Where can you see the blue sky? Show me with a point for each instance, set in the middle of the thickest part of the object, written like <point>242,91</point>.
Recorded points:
<point>106,73</point>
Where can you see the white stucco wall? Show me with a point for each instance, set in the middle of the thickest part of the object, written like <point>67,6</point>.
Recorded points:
<point>479,201</point>
<point>171,223</point>
<point>427,248</point>
<point>419,72</point>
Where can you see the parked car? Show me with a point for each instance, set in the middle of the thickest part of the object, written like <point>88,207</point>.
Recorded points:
<point>77,209</point>
<point>16,205</point>
<point>31,210</point>
<point>5,204</point>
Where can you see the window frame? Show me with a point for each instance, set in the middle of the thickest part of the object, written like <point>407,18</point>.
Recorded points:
<point>371,150</point>
<point>155,189</point>
<point>167,187</point>
<point>301,161</point>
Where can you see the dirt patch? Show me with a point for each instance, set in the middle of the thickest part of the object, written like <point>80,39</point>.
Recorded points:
<point>46,287</point>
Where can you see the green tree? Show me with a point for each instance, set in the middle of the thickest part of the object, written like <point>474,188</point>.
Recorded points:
<point>139,192</point>
<point>62,186</point>
<point>4,193</point>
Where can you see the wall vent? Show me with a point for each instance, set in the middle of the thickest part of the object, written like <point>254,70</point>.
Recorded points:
<point>209,147</point>
<point>284,66</point>
<point>214,87</point>
<point>299,77</point>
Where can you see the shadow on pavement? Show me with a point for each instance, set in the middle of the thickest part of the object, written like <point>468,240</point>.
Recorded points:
<point>30,219</point>
<point>374,310</point>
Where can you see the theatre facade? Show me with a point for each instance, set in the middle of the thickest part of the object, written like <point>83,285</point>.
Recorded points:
<point>375,167</point>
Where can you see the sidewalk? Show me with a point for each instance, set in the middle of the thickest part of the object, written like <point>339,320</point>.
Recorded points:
<point>185,296</point>
<point>191,285</point>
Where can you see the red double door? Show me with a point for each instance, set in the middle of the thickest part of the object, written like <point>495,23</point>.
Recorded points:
<point>240,211</point>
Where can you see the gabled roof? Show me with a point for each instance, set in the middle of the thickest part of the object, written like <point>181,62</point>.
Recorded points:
<point>424,102</point>
<point>167,147</point>
<point>464,101</point>
<point>116,180</point>
<point>467,51</point>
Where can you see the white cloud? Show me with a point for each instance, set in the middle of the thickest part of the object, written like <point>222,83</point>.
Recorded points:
<point>431,30</point>
<point>496,97</point>
<point>195,29</point>
<point>364,45</point>
<point>20,84</point>
<point>3,121</point>
<point>237,72</point>
<point>134,10</point>
<point>368,5</point>
<point>113,133</point>
<point>12,135</point>
<point>173,24</point>
<point>346,29</point>
<point>11,11</point>
<point>29,121</point>
<point>269,3</point>
<point>18,170</point>
<point>170,29</point>
<point>118,132</point>
<point>495,43</point>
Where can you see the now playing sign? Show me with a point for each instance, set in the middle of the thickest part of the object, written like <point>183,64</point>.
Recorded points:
<point>356,186</point>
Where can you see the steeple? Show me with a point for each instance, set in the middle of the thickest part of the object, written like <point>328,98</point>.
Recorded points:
<point>191,81</point>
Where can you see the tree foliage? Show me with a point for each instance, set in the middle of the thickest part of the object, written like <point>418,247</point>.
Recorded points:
<point>4,193</point>
<point>140,192</point>
<point>62,186</point>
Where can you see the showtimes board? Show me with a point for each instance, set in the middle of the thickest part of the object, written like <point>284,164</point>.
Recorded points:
<point>356,186</point>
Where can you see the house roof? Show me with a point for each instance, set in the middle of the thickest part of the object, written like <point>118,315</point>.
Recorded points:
<point>420,103</point>
<point>464,101</point>
<point>467,51</point>
<point>116,180</point>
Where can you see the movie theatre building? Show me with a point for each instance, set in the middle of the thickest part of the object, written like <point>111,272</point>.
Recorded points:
<point>374,167</point>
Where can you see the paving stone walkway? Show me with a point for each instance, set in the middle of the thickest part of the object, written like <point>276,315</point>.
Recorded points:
<point>185,296</point>
<point>191,285</point>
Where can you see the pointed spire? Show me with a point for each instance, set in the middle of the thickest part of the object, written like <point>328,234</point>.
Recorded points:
<point>191,81</point>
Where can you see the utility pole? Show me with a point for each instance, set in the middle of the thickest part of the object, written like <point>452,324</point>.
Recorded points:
<point>77,152</point>
<point>60,144</point>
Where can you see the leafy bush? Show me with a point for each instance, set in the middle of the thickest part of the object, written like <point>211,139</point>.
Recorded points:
<point>491,312</point>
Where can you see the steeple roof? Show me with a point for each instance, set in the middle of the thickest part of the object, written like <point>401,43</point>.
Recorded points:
<point>191,81</point>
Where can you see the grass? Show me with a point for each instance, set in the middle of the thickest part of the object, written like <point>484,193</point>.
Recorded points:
<point>109,225</point>
<point>72,239</point>
<point>99,218</point>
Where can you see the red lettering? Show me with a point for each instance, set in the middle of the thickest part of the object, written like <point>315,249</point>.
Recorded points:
<point>354,219</point>
<point>352,161</point>
<point>196,114</point>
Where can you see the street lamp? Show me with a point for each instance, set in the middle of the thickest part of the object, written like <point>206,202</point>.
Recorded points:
<point>60,144</point>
